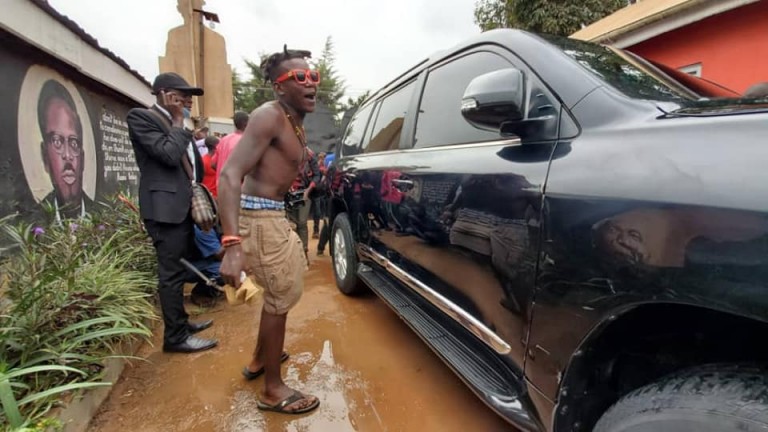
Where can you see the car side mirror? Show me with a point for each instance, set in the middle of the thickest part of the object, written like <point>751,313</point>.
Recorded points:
<point>494,98</point>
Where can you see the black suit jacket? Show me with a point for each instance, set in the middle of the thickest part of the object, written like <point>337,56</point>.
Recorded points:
<point>164,187</point>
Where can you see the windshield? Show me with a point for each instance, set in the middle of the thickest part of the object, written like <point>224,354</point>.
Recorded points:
<point>639,78</point>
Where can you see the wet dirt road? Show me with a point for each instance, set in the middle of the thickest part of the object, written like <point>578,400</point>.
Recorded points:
<point>370,371</point>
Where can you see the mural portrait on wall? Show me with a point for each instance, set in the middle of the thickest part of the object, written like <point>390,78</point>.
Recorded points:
<point>56,143</point>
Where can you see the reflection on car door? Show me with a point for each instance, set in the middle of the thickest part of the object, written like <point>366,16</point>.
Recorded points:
<point>462,214</point>
<point>376,155</point>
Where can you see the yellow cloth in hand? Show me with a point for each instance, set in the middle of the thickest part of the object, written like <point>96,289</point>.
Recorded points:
<point>247,293</point>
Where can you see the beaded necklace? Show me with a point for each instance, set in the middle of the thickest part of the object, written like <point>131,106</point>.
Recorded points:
<point>298,130</point>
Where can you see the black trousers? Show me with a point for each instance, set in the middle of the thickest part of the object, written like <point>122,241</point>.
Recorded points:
<point>325,231</point>
<point>316,210</point>
<point>172,242</point>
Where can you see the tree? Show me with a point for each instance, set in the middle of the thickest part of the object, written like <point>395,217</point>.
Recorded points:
<point>331,88</point>
<point>253,92</point>
<point>492,14</point>
<point>353,104</point>
<point>557,17</point>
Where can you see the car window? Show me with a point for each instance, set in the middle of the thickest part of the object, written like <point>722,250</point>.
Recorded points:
<point>390,117</point>
<point>354,132</point>
<point>440,121</point>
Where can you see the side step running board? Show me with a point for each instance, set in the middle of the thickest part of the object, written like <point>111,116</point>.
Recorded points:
<point>472,359</point>
<point>470,323</point>
<point>487,375</point>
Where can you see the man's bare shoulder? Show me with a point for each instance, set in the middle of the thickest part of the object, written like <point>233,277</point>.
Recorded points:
<point>267,111</point>
<point>265,121</point>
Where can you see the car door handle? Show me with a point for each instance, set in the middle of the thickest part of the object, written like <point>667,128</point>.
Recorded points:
<point>402,185</point>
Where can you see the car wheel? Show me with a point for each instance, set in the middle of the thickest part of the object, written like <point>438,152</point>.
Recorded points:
<point>344,256</point>
<point>713,398</point>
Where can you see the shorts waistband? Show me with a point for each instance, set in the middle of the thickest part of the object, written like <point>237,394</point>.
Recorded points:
<point>248,202</point>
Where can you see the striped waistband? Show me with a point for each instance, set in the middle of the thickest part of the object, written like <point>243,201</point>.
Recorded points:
<point>258,203</point>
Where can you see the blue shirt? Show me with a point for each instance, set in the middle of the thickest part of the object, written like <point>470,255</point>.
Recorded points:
<point>329,158</point>
<point>209,245</point>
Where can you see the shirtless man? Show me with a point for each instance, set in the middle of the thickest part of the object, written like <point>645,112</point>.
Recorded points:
<point>268,157</point>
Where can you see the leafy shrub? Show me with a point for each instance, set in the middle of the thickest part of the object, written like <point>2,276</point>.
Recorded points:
<point>71,293</point>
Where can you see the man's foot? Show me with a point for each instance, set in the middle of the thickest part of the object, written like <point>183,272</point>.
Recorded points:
<point>252,374</point>
<point>198,327</point>
<point>295,403</point>
<point>320,253</point>
<point>191,344</point>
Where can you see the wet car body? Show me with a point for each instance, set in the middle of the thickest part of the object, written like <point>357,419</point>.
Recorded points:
<point>613,233</point>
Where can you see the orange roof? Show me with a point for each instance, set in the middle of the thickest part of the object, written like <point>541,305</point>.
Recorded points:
<point>632,17</point>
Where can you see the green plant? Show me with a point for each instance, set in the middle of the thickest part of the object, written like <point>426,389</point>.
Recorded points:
<point>71,293</point>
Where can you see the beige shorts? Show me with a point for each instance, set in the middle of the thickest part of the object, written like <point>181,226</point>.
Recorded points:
<point>274,257</point>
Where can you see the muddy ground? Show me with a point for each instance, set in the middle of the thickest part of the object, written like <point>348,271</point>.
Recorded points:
<point>370,371</point>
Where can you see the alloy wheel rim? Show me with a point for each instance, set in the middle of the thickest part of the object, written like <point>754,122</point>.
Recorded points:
<point>340,254</point>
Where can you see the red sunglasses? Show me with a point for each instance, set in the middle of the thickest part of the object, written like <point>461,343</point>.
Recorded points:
<point>300,75</point>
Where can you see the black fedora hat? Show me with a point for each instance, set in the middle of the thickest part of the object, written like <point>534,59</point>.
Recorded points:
<point>174,81</point>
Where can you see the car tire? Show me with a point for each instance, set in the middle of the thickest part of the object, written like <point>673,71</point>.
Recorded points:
<point>344,256</point>
<point>712,398</point>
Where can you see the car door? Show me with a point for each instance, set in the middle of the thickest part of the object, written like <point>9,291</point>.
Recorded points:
<point>461,205</point>
<point>369,173</point>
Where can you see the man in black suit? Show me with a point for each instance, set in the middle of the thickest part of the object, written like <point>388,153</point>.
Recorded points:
<point>168,158</point>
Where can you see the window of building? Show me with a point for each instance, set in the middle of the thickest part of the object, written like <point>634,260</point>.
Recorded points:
<point>693,69</point>
<point>354,132</point>
<point>390,117</point>
<point>440,121</point>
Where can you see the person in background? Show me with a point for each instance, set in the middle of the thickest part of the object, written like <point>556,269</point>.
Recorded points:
<point>210,180</point>
<point>318,199</point>
<point>228,143</point>
<point>208,261</point>
<point>305,183</point>
<point>200,135</point>
<point>329,158</point>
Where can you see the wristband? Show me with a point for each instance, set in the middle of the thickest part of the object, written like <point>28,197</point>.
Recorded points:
<point>230,240</point>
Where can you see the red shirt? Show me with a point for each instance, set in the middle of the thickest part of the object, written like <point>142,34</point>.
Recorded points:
<point>224,149</point>
<point>210,179</point>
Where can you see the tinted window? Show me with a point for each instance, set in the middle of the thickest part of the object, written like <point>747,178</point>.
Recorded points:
<point>440,121</point>
<point>388,125</point>
<point>638,78</point>
<point>354,132</point>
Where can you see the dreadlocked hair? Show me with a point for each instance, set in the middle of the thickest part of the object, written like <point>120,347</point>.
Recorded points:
<point>271,64</point>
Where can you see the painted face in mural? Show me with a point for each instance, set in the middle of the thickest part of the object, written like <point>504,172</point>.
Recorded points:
<point>63,151</point>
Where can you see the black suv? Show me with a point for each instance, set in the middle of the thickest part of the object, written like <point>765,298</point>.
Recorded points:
<point>579,233</point>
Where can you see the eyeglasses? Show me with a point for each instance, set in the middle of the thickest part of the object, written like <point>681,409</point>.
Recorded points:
<point>58,141</point>
<point>300,75</point>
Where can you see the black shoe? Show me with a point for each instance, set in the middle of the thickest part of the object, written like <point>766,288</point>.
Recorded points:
<point>198,327</point>
<point>191,345</point>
